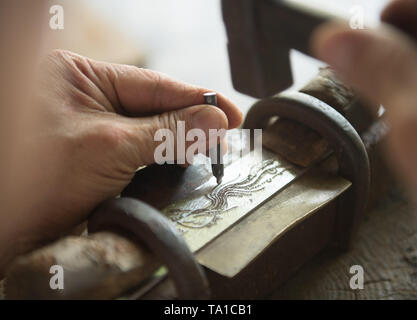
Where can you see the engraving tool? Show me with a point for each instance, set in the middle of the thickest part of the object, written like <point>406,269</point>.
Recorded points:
<point>217,166</point>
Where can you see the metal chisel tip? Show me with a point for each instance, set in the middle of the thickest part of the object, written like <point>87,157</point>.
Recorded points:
<point>219,180</point>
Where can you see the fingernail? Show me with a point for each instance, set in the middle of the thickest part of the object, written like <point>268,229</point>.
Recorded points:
<point>335,45</point>
<point>207,118</point>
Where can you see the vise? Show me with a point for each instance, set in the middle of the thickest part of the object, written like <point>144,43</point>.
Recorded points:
<point>322,134</point>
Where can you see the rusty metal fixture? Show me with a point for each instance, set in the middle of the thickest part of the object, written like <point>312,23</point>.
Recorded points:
<point>343,139</point>
<point>139,221</point>
<point>260,35</point>
<point>327,87</point>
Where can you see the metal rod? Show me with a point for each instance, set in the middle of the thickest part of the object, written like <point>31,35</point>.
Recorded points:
<point>217,166</point>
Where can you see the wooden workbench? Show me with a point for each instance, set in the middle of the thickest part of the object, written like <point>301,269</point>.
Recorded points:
<point>385,246</point>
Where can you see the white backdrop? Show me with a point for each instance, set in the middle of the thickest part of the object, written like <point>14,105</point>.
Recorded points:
<point>186,38</point>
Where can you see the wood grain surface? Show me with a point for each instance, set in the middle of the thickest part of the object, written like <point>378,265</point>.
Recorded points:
<point>385,246</point>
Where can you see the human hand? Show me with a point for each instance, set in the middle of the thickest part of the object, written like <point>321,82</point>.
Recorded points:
<point>98,122</point>
<point>382,66</point>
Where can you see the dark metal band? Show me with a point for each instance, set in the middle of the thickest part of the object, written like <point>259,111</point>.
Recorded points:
<point>137,220</point>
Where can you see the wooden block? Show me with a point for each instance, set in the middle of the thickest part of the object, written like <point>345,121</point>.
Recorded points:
<point>295,142</point>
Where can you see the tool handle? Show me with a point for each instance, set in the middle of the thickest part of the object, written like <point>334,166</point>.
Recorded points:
<point>128,241</point>
<point>260,35</point>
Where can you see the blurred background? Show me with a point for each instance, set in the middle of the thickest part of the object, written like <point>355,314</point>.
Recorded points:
<point>183,38</point>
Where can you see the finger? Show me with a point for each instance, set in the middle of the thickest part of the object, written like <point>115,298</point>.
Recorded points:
<point>382,65</point>
<point>403,15</point>
<point>136,91</point>
<point>147,137</point>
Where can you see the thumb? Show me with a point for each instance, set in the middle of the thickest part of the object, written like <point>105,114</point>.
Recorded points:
<point>380,64</point>
<point>166,134</point>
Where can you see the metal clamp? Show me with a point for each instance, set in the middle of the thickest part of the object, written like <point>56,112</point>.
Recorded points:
<point>343,139</point>
<point>133,218</point>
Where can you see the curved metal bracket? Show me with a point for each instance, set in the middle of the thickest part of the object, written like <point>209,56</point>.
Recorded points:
<point>342,137</point>
<point>145,224</point>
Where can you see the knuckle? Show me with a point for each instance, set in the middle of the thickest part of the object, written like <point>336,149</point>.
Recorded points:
<point>61,55</point>
<point>165,121</point>
<point>58,53</point>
